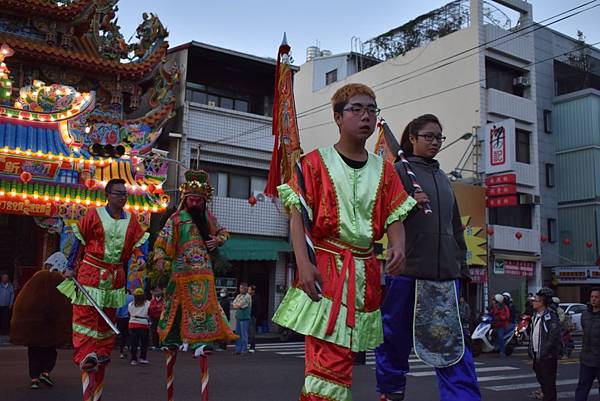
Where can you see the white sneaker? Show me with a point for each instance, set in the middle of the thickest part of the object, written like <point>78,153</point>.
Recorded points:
<point>133,363</point>
<point>144,361</point>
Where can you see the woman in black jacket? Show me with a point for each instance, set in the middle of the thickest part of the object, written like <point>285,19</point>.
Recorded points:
<point>435,250</point>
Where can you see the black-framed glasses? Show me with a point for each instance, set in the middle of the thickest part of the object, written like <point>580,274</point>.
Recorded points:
<point>429,137</point>
<point>118,194</point>
<point>359,110</point>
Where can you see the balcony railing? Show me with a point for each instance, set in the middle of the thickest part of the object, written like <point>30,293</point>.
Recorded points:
<point>265,218</point>
<point>511,106</point>
<point>515,239</point>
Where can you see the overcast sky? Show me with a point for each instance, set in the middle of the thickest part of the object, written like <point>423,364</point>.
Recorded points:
<point>257,26</point>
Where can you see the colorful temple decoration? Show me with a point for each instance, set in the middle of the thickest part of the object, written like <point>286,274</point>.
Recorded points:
<point>80,105</point>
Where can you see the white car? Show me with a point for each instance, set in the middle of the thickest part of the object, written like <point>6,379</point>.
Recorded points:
<point>574,311</point>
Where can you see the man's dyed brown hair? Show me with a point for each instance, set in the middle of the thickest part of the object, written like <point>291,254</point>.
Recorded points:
<point>341,96</point>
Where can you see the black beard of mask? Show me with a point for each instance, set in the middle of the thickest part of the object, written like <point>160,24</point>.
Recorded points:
<point>199,219</point>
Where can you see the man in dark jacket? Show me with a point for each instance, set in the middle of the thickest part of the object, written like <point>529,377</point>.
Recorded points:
<point>589,368</point>
<point>545,344</point>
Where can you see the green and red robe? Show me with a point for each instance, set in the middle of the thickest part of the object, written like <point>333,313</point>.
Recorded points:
<point>108,244</point>
<point>350,210</point>
<point>192,313</point>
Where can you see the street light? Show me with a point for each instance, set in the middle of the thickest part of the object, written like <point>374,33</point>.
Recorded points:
<point>463,137</point>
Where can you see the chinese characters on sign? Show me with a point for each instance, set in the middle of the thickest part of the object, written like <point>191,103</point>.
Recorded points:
<point>41,170</point>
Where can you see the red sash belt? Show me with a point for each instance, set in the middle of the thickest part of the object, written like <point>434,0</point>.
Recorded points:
<point>100,264</point>
<point>348,253</point>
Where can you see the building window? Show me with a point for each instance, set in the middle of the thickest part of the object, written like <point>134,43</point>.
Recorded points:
<point>212,100</point>
<point>194,158</point>
<point>239,186</point>
<point>523,147</point>
<point>551,227</point>
<point>548,121</point>
<point>549,175</point>
<point>331,77</point>
<point>241,105</point>
<point>227,103</point>
<point>513,216</point>
<point>505,78</point>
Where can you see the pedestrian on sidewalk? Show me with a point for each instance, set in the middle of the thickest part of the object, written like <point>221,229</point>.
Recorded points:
<point>7,297</point>
<point>122,325</point>
<point>139,326</point>
<point>501,315</point>
<point>42,319</point>
<point>254,311</point>
<point>465,318</point>
<point>242,305</point>
<point>157,305</point>
<point>589,367</point>
<point>545,344</point>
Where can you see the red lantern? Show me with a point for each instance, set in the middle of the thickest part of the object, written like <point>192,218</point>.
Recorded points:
<point>518,235</point>
<point>490,231</point>
<point>90,183</point>
<point>589,244</point>
<point>26,176</point>
<point>543,238</point>
<point>252,200</point>
<point>567,242</point>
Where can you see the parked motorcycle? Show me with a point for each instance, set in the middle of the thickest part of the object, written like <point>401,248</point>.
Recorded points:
<point>484,337</point>
<point>522,332</point>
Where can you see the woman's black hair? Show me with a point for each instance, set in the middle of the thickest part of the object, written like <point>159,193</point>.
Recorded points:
<point>413,128</point>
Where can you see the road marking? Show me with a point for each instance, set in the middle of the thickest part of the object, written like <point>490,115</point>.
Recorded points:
<point>488,369</point>
<point>508,387</point>
<point>503,377</point>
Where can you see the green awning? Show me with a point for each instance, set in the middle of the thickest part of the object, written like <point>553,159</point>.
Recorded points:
<point>245,248</point>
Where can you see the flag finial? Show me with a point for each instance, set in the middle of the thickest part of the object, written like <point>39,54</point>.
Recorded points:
<point>284,41</point>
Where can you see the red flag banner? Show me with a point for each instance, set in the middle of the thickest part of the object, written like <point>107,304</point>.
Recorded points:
<point>286,147</point>
<point>381,146</point>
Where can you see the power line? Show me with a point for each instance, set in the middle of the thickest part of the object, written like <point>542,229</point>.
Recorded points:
<point>540,25</point>
<point>467,84</point>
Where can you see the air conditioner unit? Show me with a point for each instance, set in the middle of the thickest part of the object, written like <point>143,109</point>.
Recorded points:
<point>521,81</point>
<point>260,196</point>
<point>528,199</point>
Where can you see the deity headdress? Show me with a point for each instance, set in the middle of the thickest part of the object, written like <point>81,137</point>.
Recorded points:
<point>196,184</point>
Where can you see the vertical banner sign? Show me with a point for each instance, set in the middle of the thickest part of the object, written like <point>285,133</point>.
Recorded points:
<point>500,145</point>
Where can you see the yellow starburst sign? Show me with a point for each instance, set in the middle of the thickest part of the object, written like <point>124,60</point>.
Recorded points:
<point>476,252</point>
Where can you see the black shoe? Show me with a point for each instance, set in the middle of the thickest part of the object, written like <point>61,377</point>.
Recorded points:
<point>393,397</point>
<point>45,378</point>
<point>35,384</point>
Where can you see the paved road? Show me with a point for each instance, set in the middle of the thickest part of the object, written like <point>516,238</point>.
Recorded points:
<point>274,372</point>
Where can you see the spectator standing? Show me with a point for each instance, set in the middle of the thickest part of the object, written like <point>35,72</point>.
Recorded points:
<point>545,344</point>
<point>254,311</point>
<point>589,368</point>
<point>122,325</point>
<point>242,305</point>
<point>139,325</point>
<point>42,319</point>
<point>7,297</point>
<point>157,305</point>
<point>501,315</point>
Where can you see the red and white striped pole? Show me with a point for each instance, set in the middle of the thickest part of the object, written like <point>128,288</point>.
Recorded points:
<point>99,382</point>
<point>171,359</point>
<point>204,376</point>
<point>87,382</point>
